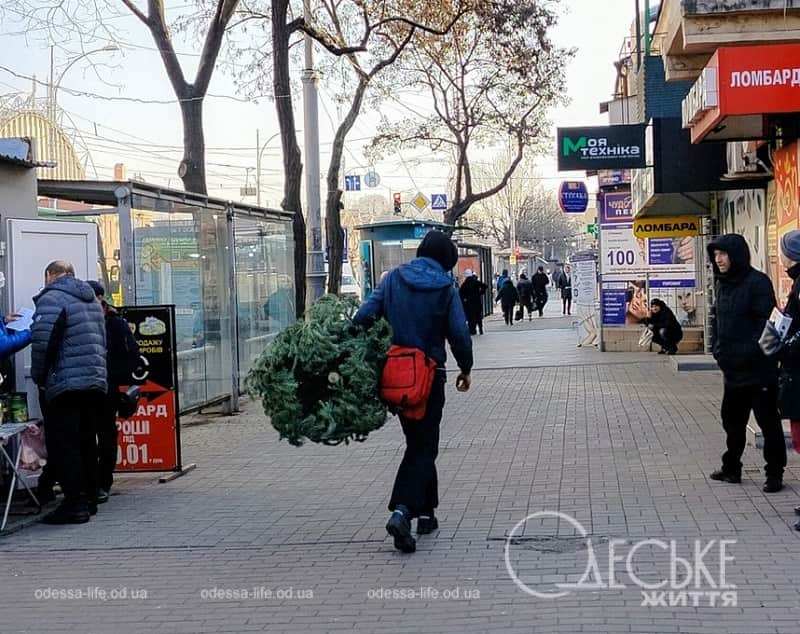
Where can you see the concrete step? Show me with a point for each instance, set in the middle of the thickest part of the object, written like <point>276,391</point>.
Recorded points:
<point>694,363</point>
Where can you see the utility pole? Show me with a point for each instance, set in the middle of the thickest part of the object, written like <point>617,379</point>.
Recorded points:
<point>258,168</point>
<point>316,263</point>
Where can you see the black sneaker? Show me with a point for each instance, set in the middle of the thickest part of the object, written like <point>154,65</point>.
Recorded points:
<point>797,510</point>
<point>399,527</point>
<point>102,496</point>
<point>67,515</point>
<point>773,485</point>
<point>426,524</point>
<point>723,476</point>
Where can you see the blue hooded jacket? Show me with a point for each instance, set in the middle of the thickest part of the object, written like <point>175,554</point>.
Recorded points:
<point>420,302</point>
<point>12,342</point>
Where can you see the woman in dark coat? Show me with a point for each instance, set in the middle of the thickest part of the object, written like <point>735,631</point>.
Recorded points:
<point>667,331</point>
<point>508,298</point>
<point>525,290</point>
<point>472,292</point>
<point>790,355</point>
<point>540,283</point>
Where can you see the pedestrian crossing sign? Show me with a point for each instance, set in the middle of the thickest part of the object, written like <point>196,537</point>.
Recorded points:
<point>439,202</point>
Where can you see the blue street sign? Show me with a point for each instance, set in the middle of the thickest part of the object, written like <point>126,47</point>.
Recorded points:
<point>352,183</point>
<point>371,179</point>
<point>439,201</point>
<point>573,197</point>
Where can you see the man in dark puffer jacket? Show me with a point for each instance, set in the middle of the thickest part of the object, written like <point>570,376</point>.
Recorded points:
<point>744,301</point>
<point>68,363</point>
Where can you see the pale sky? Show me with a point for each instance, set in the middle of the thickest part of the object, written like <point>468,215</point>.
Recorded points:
<point>147,137</point>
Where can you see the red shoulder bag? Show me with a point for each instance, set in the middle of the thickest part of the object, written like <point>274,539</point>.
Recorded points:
<point>406,381</point>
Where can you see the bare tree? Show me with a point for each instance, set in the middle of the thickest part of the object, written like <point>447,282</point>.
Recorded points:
<point>192,169</point>
<point>368,36</point>
<point>525,201</point>
<point>492,79</point>
<point>88,22</point>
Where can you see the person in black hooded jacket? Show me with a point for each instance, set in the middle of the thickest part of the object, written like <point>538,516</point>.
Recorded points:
<point>744,301</point>
<point>667,332</point>
<point>508,298</point>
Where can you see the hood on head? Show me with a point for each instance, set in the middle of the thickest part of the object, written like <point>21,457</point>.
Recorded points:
<point>72,286</point>
<point>736,247</point>
<point>658,302</point>
<point>424,274</point>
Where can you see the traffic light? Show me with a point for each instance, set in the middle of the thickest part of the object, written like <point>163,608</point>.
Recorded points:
<point>397,203</point>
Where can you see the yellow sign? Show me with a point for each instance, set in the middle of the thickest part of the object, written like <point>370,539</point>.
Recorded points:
<point>666,227</point>
<point>513,260</point>
<point>420,201</point>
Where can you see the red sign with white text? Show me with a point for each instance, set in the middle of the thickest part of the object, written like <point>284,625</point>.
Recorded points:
<point>750,81</point>
<point>150,439</point>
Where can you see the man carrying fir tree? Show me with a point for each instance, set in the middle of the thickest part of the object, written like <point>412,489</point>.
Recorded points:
<point>423,307</point>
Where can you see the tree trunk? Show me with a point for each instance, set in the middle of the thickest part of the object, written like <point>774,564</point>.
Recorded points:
<point>292,160</point>
<point>333,220</point>
<point>194,146</point>
<point>333,228</point>
<point>455,212</point>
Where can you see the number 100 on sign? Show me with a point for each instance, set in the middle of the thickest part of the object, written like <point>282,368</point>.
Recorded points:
<point>621,258</point>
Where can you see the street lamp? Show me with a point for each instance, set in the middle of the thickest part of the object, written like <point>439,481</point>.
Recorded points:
<point>259,152</point>
<point>55,84</point>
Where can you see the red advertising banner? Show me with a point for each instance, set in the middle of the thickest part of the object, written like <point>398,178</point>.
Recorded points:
<point>150,439</point>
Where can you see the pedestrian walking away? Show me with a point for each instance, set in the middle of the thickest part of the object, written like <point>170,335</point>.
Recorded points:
<point>122,357</point>
<point>68,361</point>
<point>540,283</point>
<point>508,298</point>
<point>564,284</point>
<point>472,293</point>
<point>525,291</point>
<point>744,301</point>
<point>667,331</point>
<point>422,306</point>
<point>501,280</point>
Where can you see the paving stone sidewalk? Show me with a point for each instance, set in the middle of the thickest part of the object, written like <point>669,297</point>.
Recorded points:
<point>267,537</point>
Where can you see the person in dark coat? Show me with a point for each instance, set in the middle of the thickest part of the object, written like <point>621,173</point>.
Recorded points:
<point>744,301</point>
<point>472,292</point>
<point>68,362</point>
<point>420,302</point>
<point>789,356</point>
<point>502,279</point>
<point>122,357</point>
<point>508,298</point>
<point>525,291</point>
<point>667,332</point>
<point>540,283</point>
<point>564,284</point>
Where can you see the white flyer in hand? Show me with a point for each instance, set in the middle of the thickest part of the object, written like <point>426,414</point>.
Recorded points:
<point>781,322</point>
<point>25,320</point>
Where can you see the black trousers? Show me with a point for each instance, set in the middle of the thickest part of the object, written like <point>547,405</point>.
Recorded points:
<point>416,485</point>
<point>660,338</point>
<point>737,402</point>
<point>541,301</point>
<point>72,445</point>
<point>475,323</point>
<point>508,315</point>
<point>567,304</point>
<point>107,440</point>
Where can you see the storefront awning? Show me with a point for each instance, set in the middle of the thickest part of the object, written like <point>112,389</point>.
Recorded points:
<point>740,90</point>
